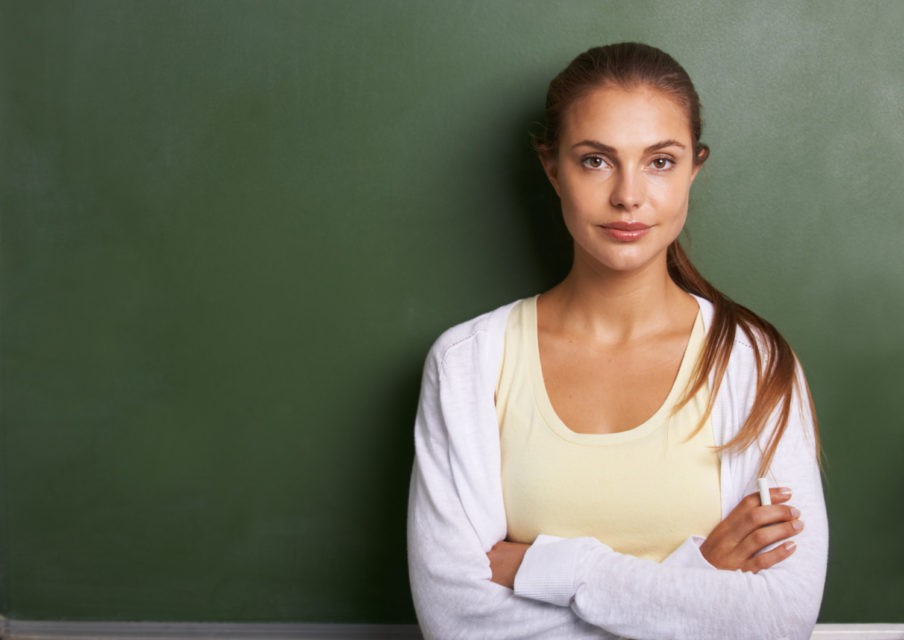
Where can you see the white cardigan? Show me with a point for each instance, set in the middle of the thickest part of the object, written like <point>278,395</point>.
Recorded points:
<point>580,588</point>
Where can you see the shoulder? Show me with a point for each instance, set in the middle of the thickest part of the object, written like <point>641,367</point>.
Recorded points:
<point>483,334</point>
<point>759,356</point>
<point>751,355</point>
<point>746,348</point>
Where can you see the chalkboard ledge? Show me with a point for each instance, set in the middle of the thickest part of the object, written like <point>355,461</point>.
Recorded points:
<point>858,632</point>
<point>61,630</point>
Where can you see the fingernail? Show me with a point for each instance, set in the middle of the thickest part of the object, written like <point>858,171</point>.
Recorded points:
<point>797,525</point>
<point>794,512</point>
<point>790,546</point>
<point>785,491</point>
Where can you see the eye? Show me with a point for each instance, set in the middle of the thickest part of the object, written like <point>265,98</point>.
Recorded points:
<point>662,163</point>
<point>594,162</point>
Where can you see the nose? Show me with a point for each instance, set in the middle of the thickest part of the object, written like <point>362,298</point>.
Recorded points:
<point>628,191</point>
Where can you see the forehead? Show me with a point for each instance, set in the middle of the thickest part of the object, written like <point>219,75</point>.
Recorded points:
<point>622,117</point>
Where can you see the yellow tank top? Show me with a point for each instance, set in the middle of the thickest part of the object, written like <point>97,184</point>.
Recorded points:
<point>641,491</point>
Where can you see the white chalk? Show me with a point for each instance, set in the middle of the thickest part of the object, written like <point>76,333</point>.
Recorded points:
<point>765,498</point>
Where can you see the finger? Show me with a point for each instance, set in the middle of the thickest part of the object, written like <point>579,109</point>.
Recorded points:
<point>766,536</point>
<point>770,558</point>
<point>765,516</point>
<point>752,500</point>
<point>779,494</point>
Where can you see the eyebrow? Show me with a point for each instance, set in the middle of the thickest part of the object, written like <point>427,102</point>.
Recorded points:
<point>605,148</point>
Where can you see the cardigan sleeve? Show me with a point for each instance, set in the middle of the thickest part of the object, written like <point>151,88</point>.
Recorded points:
<point>448,536</point>
<point>641,599</point>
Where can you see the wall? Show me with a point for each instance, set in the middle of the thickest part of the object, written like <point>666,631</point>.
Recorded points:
<point>229,232</point>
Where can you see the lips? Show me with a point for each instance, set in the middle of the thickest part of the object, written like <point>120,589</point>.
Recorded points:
<point>625,231</point>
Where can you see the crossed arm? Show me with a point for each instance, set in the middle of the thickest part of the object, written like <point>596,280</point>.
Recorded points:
<point>579,588</point>
<point>736,544</point>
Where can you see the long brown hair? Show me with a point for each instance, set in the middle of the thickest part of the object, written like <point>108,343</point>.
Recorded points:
<point>630,65</point>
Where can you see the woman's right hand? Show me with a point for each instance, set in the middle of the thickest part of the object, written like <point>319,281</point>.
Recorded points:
<point>751,527</point>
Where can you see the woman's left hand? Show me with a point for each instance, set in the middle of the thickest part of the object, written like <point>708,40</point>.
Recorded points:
<point>737,543</point>
<point>505,559</point>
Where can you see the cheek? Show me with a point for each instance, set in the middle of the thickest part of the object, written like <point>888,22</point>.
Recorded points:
<point>569,202</point>
<point>670,198</point>
<point>568,216</point>
<point>575,222</point>
<point>577,195</point>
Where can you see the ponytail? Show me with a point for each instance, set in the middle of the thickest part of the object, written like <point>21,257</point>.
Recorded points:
<point>776,363</point>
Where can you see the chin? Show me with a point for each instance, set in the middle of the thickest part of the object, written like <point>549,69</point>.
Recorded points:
<point>625,264</point>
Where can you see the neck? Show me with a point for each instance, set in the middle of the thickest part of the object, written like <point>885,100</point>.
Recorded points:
<point>615,306</point>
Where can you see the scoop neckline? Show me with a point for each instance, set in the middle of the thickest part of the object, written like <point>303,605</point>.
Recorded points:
<point>648,426</point>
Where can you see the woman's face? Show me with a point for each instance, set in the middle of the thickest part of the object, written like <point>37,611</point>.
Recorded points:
<point>623,172</point>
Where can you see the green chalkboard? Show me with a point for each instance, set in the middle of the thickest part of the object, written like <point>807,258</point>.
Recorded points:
<point>229,231</point>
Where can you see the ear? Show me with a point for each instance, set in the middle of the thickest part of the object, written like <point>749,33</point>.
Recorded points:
<point>551,168</point>
<point>695,171</point>
<point>702,155</point>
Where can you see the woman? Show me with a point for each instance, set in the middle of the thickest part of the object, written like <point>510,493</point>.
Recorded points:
<point>586,459</point>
